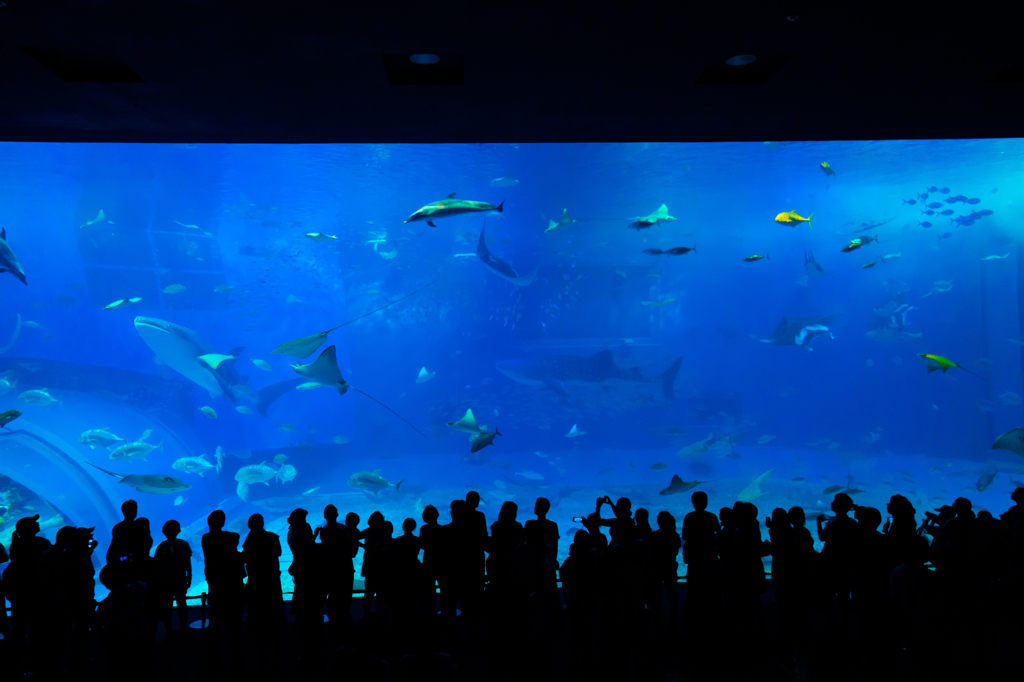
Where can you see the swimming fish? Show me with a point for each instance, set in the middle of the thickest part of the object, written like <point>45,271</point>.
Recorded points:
<point>262,364</point>
<point>660,304</point>
<point>193,465</point>
<point>174,289</point>
<point>826,168</point>
<point>153,484</point>
<point>223,289</point>
<point>287,473</point>
<point>499,266</point>
<point>678,485</point>
<point>121,302</point>
<point>507,181</point>
<point>1011,441</point>
<point>307,345</point>
<point>99,217</point>
<point>674,251</point>
<point>753,491</point>
<point>180,500</point>
<point>658,466</point>
<point>324,370</point>
<point>8,261</point>
<point>7,416</point>
<point>800,331</point>
<point>425,376</point>
<point>562,222</point>
<point>985,480</point>
<point>756,257</point>
<point>1005,255</point>
<point>208,411</point>
<point>554,372</point>
<point>938,362</point>
<point>256,473</point>
<point>101,437</point>
<point>37,397</point>
<point>320,237</point>
<point>792,218</point>
<point>483,440</point>
<point>14,337</point>
<point>574,432</point>
<point>657,217</point>
<point>243,409</point>
<point>372,482</point>
<point>467,424</point>
<point>138,450</point>
<point>450,206</point>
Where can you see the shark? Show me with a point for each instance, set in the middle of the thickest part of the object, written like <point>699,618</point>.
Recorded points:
<point>450,206</point>
<point>753,491</point>
<point>497,265</point>
<point>800,331</point>
<point>325,372</point>
<point>8,261</point>
<point>554,372</point>
<point>153,484</point>
<point>181,348</point>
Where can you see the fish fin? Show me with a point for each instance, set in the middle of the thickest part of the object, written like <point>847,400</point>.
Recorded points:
<point>497,432</point>
<point>200,474</point>
<point>450,196</point>
<point>765,254</point>
<point>398,486</point>
<point>268,394</point>
<point>160,446</point>
<point>555,386</point>
<point>500,208</point>
<point>668,378</point>
<point>431,223</point>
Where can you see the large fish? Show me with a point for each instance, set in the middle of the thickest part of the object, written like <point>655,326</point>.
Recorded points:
<point>8,261</point>
<point>555,371</point>
<point>153,484</point>
<point>180,349</point>
<point>800,331</point>
<point>449,207</point>
<point>373,482</point>
<point>497,265</point>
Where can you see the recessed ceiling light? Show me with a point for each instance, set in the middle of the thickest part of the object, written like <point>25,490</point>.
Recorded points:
<point>424,58</point>
<point>740,60</point>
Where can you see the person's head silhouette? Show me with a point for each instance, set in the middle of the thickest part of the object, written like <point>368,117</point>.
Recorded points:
<point>408,526</point>
<point>256,522</point>
<point>842,504</point>
<point>171,529</point>
<point>508,512</point>
<point>130,509</point>
<point>430,514</point>
<point>541,507</point>
<point>666,522</point>
<point>330,513</point>
<point>473,499</point>
<point>699,500</point>
<point>216,519</point>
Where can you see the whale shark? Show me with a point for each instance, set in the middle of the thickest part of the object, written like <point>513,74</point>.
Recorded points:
<point>555,371</point>
<point>800,331</point>
<point>180,349</point>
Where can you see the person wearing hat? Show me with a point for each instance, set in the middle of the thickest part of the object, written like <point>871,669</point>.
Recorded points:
<point>839,556</point>
<point>20,577</point>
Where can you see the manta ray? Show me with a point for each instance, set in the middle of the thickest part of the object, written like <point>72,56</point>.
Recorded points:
<point>800,331</point>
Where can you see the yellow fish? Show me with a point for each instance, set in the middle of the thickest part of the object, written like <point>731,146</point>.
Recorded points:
<point>936,362</point>
<point>827,168</point>
<point>793,219</point>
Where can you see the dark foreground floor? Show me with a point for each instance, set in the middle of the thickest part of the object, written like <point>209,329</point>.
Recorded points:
<point>990,647</point>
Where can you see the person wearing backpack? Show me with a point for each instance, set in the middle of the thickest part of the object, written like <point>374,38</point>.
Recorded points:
<point>174,569</point>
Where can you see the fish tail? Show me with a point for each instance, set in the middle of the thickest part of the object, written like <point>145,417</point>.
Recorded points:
<point>160,446</point>
<point>496,431</point>
<point>668,377</point>
<point>398,486</point>
<point>809,220</point>
<point>766,255</point>
<point>500,208</point>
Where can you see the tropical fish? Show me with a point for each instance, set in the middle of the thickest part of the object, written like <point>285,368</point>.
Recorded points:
<point>101,437</point>
<point>483,440</point>
<point>425,376</point>
<point>38,396</point>
<point>826,168</point>
<point>800,331</point>
<point>756,257</point>
<point>121,302</point>
<point>193,465</point>
<point>938,362</point>
<point>180,500</point>
<point>678,485</point>
<point>753,491</point>
<point>324,370</point>
<point>7,416</point>
<point>555,371</point>
<point>564,221</point>
<point>320,237</point>
<point>793,219</point>
<point>372,482</point>
<point>657,217</point>
<point>132,451</point>
<point>575,433</point>
<point>307,345</point>
<point>871,264</point>
<point>9,261</point>
<point>208,411</point>
<point>449,207</point>
<point>153,484</point>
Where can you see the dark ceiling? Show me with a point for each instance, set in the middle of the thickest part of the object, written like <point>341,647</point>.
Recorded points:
<point>300,71</point>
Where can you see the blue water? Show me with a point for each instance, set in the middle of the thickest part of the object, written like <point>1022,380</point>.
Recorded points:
<point>228,224</point>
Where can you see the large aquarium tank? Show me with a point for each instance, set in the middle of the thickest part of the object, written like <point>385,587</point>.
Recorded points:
<point>383,327</point>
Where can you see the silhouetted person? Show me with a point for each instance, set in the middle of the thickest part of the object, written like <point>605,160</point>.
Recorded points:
<point>901,530</point>
<point>1014,514</point>
<point>81,593</point>
<point>804,568</point>
<point>504,602</point>
<point>339,548</point>
<point>21,581</point>
<point>909,585</point>
<point>754,582</point>
<point>506,535</point>
<point>407,590</point>
<point>309,594</point>
<point>580,573</point>
<point>457,553</point>
<point>122,627</point>
<point>642,519</point>
<point>621,528</point>
<point>174,566</point>
<point>261,553</point>
<point>370,536</point>
<point>663,547</point>
<point>384,566</point>
<point>5,626</point>
<point>225,572</point>
<point>51,627</point>
<point>121,542</point>
<point>700,554</point>
<point>476,535</point>
<point>838,557</point>
<point>432,543</point>
<point>871,578</point>
<point>141,566</point>
<point>785,563</point>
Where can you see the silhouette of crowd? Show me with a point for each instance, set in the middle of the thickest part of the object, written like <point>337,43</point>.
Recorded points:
<point>892,594</point>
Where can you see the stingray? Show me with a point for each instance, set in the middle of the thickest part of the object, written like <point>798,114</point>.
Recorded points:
<point>154,484</point>
<point>811,267</point>
<point>800,331</point>
<point>678,485</point>
<point>562,222</point>
<point>467,424</point>
<point>1011,441</point>
<point>324,371</point>
<point>307,345</point>
<point>497,265</point>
